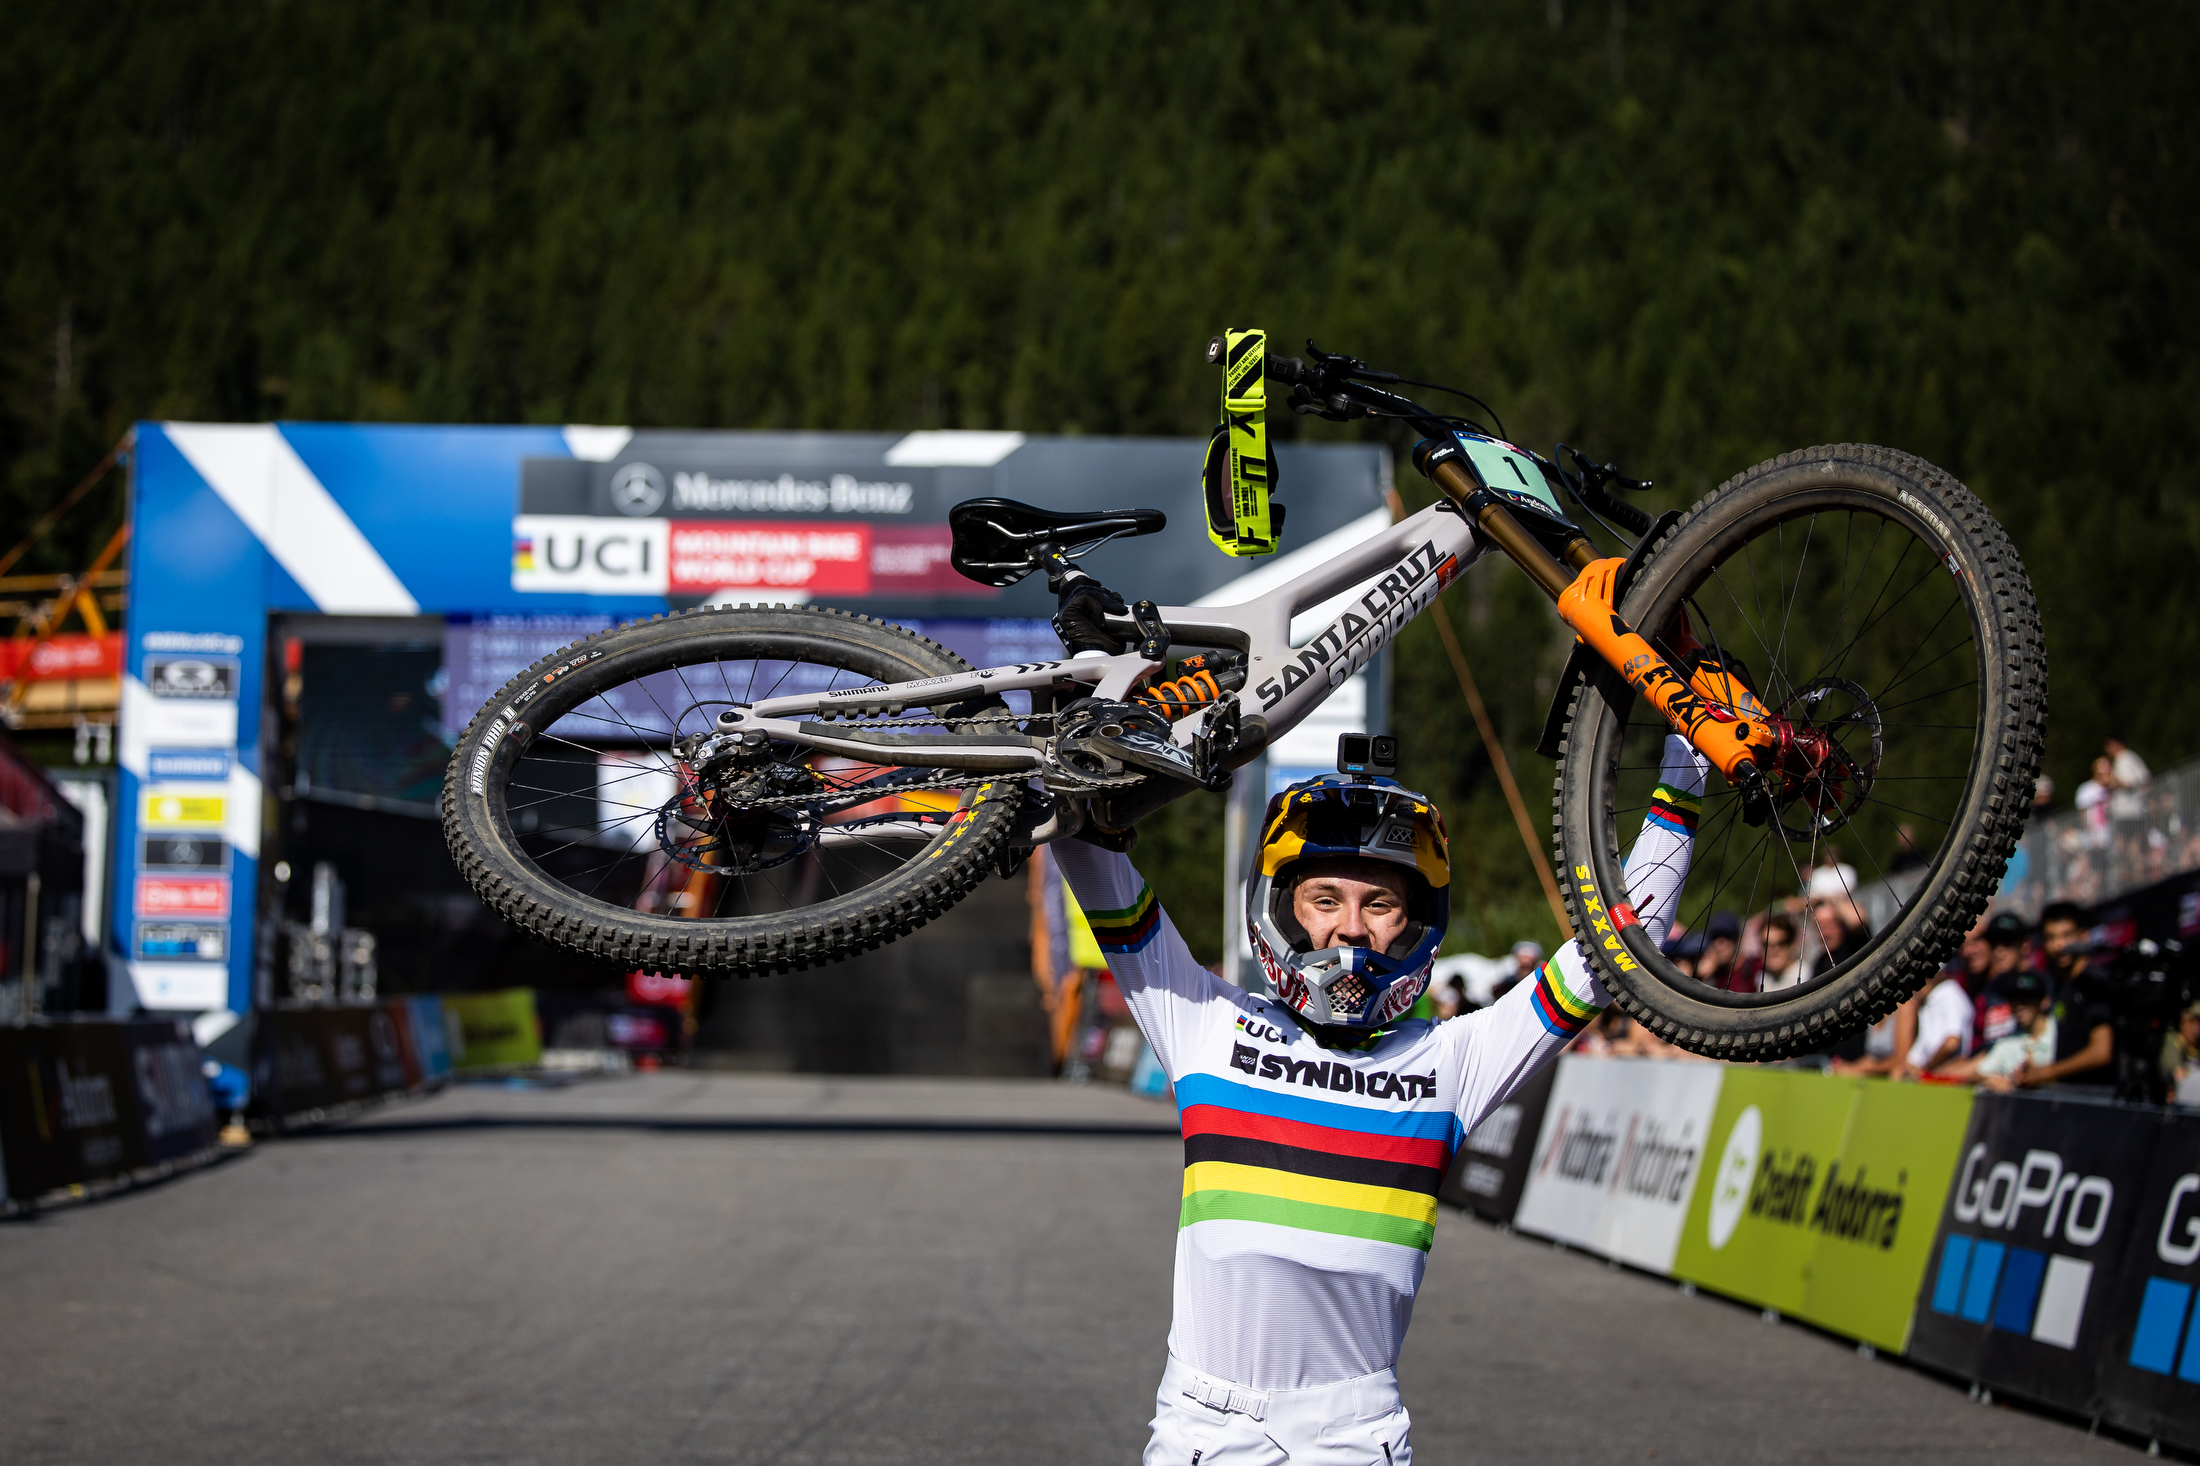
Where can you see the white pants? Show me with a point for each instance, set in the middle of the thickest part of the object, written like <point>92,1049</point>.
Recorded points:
<point>1203,1421</point>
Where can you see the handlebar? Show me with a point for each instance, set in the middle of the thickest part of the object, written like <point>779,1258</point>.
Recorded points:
<point>1340,388</point>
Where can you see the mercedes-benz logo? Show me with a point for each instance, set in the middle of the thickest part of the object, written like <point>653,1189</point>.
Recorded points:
<point>637,489</point>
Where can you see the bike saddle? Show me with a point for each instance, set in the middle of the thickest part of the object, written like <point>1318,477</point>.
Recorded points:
<point>999,541</point>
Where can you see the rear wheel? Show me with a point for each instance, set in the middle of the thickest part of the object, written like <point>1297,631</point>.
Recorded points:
<point>585,807</point>
<point>1877,609</point>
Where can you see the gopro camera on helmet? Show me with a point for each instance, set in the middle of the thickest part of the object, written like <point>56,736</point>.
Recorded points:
<point>1367,755</point>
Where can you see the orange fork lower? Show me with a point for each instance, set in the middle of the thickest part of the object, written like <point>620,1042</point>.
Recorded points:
<point>1700,714</point>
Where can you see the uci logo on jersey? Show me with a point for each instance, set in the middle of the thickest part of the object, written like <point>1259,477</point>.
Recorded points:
<point>1255,1029</point>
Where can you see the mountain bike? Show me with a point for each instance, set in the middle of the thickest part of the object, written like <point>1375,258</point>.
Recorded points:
<point>1845,632</point>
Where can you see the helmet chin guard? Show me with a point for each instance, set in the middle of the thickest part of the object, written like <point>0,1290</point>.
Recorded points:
<point>1335,817</point>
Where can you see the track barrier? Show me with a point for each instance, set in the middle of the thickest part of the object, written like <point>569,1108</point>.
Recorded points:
<point>88,1102</point>
<point>2045,1246</point>
<point>92,1101</point>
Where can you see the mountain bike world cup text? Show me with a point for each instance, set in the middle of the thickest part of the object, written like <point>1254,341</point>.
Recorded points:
<point>1348,643</point>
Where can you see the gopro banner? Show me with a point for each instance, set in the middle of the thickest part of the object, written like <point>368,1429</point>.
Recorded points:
<point>1487,1175</point>
<point>2032,1238</point>
<point>2150,1357</point>
<point>1821,1197</point>
<point>1616,1163</point>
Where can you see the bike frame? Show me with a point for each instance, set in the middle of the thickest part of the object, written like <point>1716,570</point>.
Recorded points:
<point>1398,574</point>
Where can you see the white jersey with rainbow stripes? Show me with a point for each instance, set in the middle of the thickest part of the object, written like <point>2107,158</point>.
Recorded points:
<point>1310,1174</point>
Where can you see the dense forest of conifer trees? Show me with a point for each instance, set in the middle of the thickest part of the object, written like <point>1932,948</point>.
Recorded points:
<point>1688,235</point>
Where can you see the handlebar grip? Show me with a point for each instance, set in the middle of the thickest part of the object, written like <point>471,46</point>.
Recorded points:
<point>1288,370</point>
<point>1628,516</point>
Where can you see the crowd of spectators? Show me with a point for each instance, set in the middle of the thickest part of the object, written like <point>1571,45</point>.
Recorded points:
<point>2020,1007</point>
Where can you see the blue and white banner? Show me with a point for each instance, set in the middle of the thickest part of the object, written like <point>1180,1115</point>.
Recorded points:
<point>497,540</point>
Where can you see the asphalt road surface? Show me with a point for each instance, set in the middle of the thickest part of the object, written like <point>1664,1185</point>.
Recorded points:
<point>683,1268</point>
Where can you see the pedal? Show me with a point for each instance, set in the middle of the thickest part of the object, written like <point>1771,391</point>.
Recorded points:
<point>1127,733</point>
<point>1215,741</point>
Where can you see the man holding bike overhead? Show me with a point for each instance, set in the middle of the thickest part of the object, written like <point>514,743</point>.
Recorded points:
<point>1319,1121</point>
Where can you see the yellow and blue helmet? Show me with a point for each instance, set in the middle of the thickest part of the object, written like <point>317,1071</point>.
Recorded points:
<point>1333,817</point>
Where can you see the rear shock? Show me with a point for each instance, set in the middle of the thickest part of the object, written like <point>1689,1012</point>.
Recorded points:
<point>1202,679</point>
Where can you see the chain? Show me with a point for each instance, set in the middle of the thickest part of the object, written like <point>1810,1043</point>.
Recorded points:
<point>982,722</point>
<point>864,793</point>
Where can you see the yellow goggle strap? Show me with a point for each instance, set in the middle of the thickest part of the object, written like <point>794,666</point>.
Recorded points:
<point>1241,442</point>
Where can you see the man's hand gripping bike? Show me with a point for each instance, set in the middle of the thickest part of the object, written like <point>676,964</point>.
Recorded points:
<point>1844,632</point>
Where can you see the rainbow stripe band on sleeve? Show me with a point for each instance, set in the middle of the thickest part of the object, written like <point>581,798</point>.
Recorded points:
<point>1129,929</point>
<point>1674,809</point>
<point>1562,1013</point>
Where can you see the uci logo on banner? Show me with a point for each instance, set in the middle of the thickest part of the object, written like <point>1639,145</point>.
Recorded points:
<point>590,555</point>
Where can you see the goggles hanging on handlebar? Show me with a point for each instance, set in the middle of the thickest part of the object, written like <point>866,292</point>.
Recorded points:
<point>1241,474</point>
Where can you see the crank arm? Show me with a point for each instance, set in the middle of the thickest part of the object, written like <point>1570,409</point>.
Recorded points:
<point>1733,744</point>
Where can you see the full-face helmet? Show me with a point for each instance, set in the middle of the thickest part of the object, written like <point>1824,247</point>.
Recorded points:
<point>1373,819</point>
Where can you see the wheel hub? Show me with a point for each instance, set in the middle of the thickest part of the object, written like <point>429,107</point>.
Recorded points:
<point>1826,744</point>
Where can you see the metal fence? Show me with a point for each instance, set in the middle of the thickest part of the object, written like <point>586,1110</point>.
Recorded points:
<point>2088,856</point>
<point>2139,837</point>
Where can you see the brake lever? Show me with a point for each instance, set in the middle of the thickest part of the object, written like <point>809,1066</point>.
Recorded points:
<point>1332,406</point>
<point>1598,475</point>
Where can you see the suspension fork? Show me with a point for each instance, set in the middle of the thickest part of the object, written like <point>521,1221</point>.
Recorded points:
<point>1582,586</point>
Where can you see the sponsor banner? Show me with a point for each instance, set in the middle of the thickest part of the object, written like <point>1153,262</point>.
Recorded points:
<point>162,764</point>
<point>180,941</point>
<point>85,1102</point>
<point>396,1064</point>
<point>192,679</point>
<point>62,658</point>
<point>167,721</point>
<point>175,1112</point>
<point>590,556</point>
<point>913,559</point>
<point>181,987</point>
<point>1615,1166</point>
<point>183,853</point>
<point>1492,1165</point>
<point>2150,1357</point>
<point>430,1036</point>
<point>776,555</point>
<point>2031,1240</point>
<point>307,1059</point>
<point>1821,1196</point>
<point>496,1029</point>
<point>206,896</point>
<point>203,643</point>
<point>167,809</point>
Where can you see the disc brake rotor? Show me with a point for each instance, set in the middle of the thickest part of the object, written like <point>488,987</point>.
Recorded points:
<point>1830,742</point>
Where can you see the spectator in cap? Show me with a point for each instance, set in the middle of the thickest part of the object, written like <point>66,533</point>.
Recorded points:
<point>2008,941</point>
<point>1685,951</point>
<point>2030,1043</point>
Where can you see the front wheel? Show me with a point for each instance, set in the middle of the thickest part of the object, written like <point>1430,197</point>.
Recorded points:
<point>1876,608</point>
